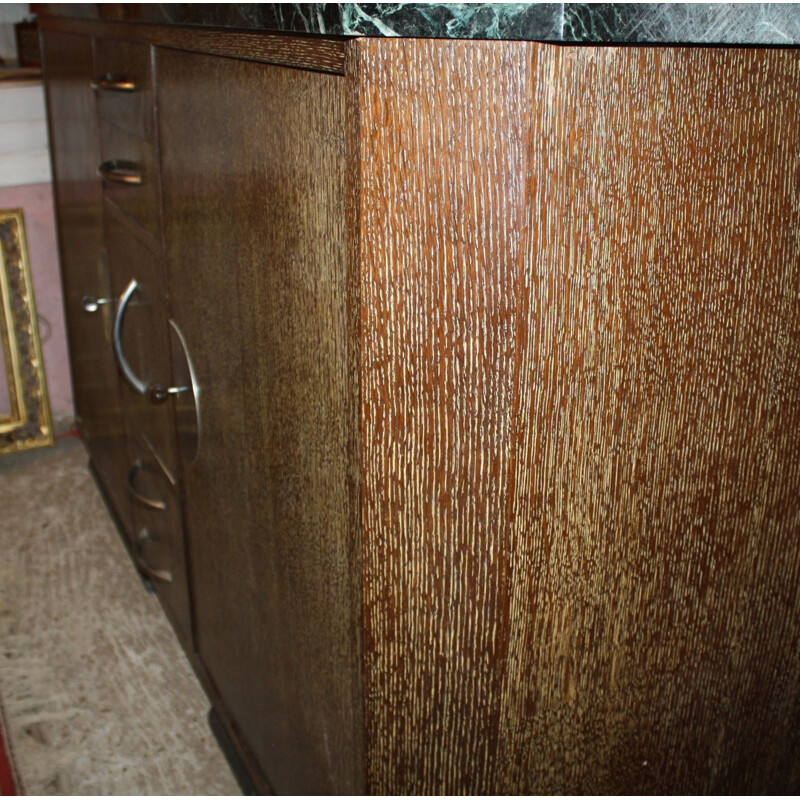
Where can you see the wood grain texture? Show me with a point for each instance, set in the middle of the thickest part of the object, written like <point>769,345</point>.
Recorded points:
<point>75,153</point>
<point>256,266</point>
<point>304,52</point>
<point>580,336</point>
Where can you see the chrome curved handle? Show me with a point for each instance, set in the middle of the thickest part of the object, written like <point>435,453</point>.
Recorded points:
<point>109,83</point>
<point>148,571</point>
<point>120,171</point>
<point>116,340</point>
<point>147,502</point>
<point>90,303</point>
<point>157,392</point>
<point>187,405</point>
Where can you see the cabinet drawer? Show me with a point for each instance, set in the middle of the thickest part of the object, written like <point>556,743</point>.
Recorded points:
<point>150,484</point>
<point>157,536</point>
<point>130,180</point>
<point>122,82</point>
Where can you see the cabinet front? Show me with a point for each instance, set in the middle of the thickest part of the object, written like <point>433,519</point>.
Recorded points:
<point>142,346</point>
<point>87,288</point>
<point>106,187</point>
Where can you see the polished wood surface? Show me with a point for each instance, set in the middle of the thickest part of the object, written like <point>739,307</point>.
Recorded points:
<point>256,265</point>
<point>580,339</point>
<point>75,154</point>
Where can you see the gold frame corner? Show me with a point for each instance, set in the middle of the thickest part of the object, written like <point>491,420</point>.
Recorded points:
<point>30,423</point>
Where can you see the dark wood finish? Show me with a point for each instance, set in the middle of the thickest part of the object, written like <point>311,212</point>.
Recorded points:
<point>579,370</point>
<point>257,278</point>
<point>75,153</point>
<point>140,203</point>
<point>132,111</point>
<point>497,481</point>
<point>304,52</point>
<point>150,426</point>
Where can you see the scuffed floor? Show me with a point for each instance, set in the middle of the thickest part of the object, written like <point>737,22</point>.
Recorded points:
<point>97,693</point>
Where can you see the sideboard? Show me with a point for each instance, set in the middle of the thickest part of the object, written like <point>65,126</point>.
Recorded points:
<point>447,392</point>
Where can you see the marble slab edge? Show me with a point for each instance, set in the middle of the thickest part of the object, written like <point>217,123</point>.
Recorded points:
<point>613,23</point>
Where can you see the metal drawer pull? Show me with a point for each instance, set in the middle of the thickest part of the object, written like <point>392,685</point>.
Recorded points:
<point>116,341</point>
<point>141,562</point>
<point>187,405</point>
<point>91,303</point>
<point>157,392</point>
<point>111,84</point>
<point>119,171</point>
<point>147,502</point>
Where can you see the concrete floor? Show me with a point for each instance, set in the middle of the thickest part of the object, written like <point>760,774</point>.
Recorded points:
<point>98,696</point>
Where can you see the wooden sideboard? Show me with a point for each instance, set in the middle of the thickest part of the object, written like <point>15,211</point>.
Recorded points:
<point>481,469</point>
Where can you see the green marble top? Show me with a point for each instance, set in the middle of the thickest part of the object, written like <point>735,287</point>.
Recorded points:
<point>700,23</point>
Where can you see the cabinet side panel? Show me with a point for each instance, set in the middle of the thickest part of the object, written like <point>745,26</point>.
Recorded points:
<point>655,617</point>
<point>253,194</point>
<point>580,339</point>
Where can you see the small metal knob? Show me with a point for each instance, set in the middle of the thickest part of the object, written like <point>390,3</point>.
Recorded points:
<point>158,393</point>
<point>91,303</point>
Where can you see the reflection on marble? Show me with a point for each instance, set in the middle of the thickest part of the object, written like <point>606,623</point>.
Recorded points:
<point>706,23</point>
<point>742,23</point>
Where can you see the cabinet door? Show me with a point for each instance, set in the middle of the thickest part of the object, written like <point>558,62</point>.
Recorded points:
<point>78,199</point>
<point>252,176</point>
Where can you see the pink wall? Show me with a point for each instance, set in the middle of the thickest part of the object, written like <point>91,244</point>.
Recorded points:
<point>36,202</point>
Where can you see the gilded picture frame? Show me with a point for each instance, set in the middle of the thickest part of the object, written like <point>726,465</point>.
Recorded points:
<point>28,424</point>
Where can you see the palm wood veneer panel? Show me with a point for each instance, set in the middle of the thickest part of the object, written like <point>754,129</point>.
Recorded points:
<point>579,376</point>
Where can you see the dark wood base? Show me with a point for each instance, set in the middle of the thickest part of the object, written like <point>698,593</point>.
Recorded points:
<point>231,756</point>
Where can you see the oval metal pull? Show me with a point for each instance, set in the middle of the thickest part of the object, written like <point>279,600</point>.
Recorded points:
<point>187,404</point>
<point>148,571</point>
<point>116,341</point>
<point>147,502</point>
<point>109,83</point>
<point>120,171</point>
<point>90,303</point>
